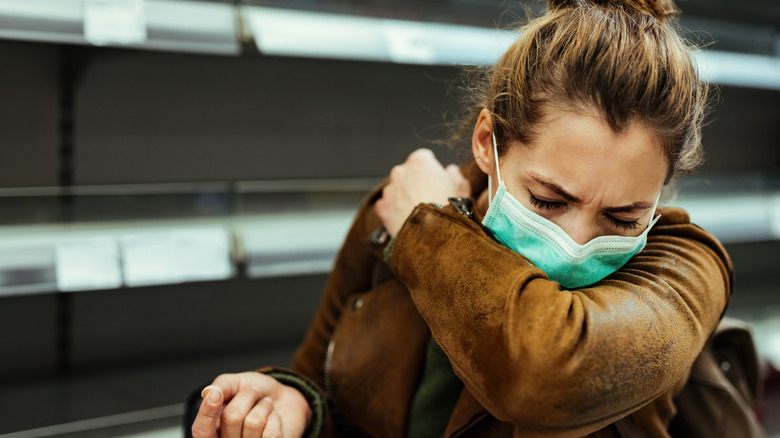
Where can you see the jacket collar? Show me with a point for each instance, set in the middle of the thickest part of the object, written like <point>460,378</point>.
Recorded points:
<point>468,411</point>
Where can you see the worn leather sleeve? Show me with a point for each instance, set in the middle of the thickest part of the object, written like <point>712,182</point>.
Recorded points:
<point>555,362</point>
<point>352,272</point>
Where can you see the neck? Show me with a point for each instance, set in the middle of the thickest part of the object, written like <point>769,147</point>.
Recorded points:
<point>482,203</point>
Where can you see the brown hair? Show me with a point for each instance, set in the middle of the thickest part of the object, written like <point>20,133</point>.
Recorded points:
<point>623,58</point>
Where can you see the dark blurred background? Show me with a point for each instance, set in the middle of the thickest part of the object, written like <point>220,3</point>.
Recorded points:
<point>176,176</point>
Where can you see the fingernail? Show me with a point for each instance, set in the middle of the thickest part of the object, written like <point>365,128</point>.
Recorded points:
<point>214,396</point>
<point>268,399</point>
<point>206,391</point>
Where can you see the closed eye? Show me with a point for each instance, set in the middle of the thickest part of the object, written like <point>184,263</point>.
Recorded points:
<point>545,205</point>
<point>625,225</point>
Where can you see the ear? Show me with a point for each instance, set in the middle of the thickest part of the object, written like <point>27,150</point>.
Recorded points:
<point>482,143</point>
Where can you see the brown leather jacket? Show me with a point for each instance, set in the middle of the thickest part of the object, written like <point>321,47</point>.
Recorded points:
<point>535,360</point>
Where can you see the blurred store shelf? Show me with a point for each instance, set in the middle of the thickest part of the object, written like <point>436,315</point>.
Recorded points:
<point>735,208</point>
<point>143,401</point>
<point>69,258</point>
<point>739,69</point>
<point>255,229</point>
<point>326,35</point>
<point>736,218</point>
<point>184,26</point>
<point>219,28</point>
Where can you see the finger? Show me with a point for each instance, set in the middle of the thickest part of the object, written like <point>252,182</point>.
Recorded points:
<point>464,189</point>
<point>273,428</point>
<point>397,173</point>
<point>387,192</point>
<point>454,172</point>
<point>234,413</point>
<point>228,383</point>
<point>256,419</point>
<point>422,154</point>
<point>462,185</point>
<point>207,420</point>
<point>379,209</point>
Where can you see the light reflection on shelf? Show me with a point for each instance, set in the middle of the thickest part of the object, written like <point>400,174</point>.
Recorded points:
<point>212,27</point>
<point>288,32</point>
<point>736,218</point>
<point>258,242</point>
<point>186,26</point>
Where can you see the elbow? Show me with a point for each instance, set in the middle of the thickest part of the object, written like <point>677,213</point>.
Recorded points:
<point>578,396</point>
<point>561,409</point>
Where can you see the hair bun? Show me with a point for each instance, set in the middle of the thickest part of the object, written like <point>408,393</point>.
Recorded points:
<point>660,9</point>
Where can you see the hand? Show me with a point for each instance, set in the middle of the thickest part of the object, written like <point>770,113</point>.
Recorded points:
<point>420,179</point>
<point>251,404</point>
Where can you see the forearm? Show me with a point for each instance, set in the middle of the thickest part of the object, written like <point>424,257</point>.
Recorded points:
<point>554,361</point>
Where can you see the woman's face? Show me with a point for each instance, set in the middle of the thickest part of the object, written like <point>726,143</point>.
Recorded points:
<point>580,174</point>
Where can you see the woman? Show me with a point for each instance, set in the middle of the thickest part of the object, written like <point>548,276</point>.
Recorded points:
<point>553,303</point>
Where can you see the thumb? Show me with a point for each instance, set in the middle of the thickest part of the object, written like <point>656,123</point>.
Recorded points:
<point>207,421</point>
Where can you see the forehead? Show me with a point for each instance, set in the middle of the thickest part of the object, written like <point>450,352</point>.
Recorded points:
<point>580,152</point>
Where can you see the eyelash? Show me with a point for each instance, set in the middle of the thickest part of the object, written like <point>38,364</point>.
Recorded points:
<point>545,205</point>
<point>552,205</point>
<point>626,225</point>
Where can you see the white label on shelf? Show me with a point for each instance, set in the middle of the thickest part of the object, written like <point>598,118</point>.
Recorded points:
<point>114,21</point>
<point>408,42</point>
<point>176,256</point>
<point>88,264</point>
<point>297,33</point>
<point>293,244</point>
<point>774,215</point>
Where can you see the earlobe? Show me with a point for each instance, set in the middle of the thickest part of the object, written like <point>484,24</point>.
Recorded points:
<point>482,142</point>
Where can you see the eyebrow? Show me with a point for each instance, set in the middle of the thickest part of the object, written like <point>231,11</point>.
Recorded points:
<point>640,205</point>
<point>556,188</point>
<point>629,208</point>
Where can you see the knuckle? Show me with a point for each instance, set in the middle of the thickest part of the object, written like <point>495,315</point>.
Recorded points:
<point>223,380</point>
<point>232,417</point>
<point>263,378</point>
<point>422,152</point>
<point>396,172</point>
<point>422,155</point>
<point>254,423</point>
<point>257,392</point>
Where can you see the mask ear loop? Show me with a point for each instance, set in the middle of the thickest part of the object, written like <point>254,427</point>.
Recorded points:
<point>495,154</point>
<point>657,198</point>
<point>498,170</point>
<point>653,217</point>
